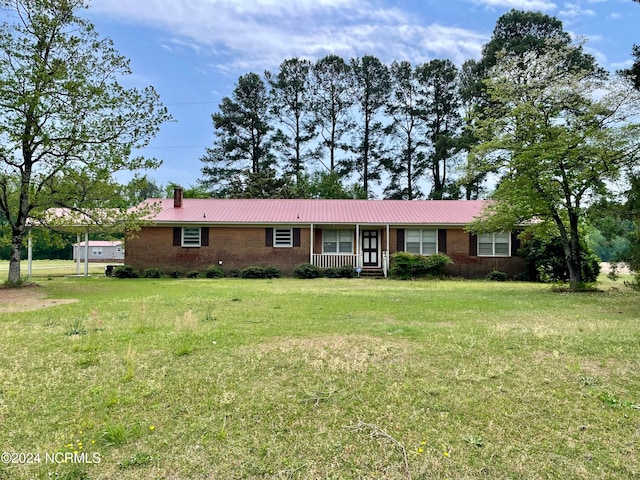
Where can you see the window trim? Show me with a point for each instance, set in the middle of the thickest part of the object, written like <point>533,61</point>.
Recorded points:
<point>184,238</point>
<point>421,243</point>
<point>289,243</point>
<point>338,230</point>
<point>493,244</point>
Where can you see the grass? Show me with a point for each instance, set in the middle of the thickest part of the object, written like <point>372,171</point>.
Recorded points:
<point>331,379</point>
<point>53,268</point>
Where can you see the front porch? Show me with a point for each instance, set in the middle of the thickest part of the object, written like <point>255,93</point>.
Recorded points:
<point>359,247</point>
<point>353,260</point>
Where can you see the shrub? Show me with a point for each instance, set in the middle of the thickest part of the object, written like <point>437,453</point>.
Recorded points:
<point>213,271</point>
<point>497,276</point>
<point>306,270</point>
<point>545,260</point>
<point>435,264</point>
<point>346,271</point>
<point>152,273</point>
<point>408,265</point>
<point>194,274</point>
<point>174,273</point>
<point>260,272</point>
<point>125,271</point>
<point>272,272</point>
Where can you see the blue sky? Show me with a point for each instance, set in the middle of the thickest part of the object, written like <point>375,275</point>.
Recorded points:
<point>193,51</point>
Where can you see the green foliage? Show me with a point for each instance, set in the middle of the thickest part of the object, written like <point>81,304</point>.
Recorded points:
<point>546,262</point>
<point>194,274</point>
<point>125,271</point>
<point>243,138</point>
<point>346,271</point>
<point>67,124</point>
<point>213,271</point>
<point>175,272</point>
<point>152,273</point>
<point>551,134</point>
<point>260,272</point>
<point>406,266</point>
<point>306,270</point>
<point>497,276</point>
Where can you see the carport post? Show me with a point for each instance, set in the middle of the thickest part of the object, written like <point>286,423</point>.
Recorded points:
<point>86,254</point>
<point>77,254</point>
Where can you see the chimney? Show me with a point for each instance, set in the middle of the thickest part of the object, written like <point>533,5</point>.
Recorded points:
<point>177,197</point>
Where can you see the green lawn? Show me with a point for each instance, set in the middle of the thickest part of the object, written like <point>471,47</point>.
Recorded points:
<point>321,379</point>
<point>52,268</point>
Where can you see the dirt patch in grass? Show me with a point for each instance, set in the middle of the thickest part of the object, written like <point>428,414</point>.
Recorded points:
<point>27,298</point>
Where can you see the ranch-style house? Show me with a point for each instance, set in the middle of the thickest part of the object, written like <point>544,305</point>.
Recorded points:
<point>191,234</point>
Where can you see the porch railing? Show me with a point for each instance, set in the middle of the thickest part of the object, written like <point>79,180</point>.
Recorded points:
<point>331,261</point>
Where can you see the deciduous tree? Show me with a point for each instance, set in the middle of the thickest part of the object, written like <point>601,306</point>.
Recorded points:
<point>66,123</point>
<point>556,138</point>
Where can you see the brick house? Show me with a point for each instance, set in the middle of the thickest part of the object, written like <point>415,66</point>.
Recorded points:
<point>192,234</point>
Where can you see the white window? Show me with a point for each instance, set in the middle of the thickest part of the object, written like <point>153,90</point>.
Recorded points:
<point>97,251</point>
<point>423,242</point>
<point>190,237</point>
<point>283,237</point>
<point>337,241</point>
<point>494,244</point>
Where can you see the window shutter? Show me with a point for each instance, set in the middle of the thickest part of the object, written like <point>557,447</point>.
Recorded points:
<point>400,243</point>
<point>515,243</point>
<point>177,236</point>
<point>296,237</point>
<point>473,245</point>
<point>204,236</point>
<point>268,237</point>
<point>442,240</point>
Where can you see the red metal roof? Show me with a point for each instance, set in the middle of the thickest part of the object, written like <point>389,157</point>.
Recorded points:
<point>276,211</point>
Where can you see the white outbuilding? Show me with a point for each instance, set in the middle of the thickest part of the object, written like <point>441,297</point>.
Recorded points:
<point>99,251</point>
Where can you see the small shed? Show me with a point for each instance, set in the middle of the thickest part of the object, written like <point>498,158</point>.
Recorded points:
<point>99,251</point>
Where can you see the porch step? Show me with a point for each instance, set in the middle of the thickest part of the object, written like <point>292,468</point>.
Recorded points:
<point>372,273</point>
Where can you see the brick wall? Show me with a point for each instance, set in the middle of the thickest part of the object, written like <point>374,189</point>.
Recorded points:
<point>238,248</point>
<point>476,267</point>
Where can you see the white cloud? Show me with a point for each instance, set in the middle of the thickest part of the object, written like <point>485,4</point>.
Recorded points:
<point>573,10</point>
<point>519,4</point>
<point>259,34</point>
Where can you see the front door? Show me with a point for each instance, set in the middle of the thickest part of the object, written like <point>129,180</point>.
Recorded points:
<point>370,248</point>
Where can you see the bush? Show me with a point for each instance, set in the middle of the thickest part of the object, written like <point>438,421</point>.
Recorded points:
<point>152,273</point>
<point>213,271</point>
<point>174,273</point>
<point>260,272</point>
<point>125,271</point>
<point>497,276</point>
<point>306,270</point>
<point>546,262</point>
<point>406,266</point>
<point>194,274</point>
<point>346,271</point>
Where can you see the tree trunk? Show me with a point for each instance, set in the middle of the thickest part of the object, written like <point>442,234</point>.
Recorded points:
<point>571,245</point>
<point>14,258</point>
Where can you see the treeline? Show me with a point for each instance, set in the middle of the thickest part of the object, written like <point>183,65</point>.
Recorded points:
<point>344,128</point>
